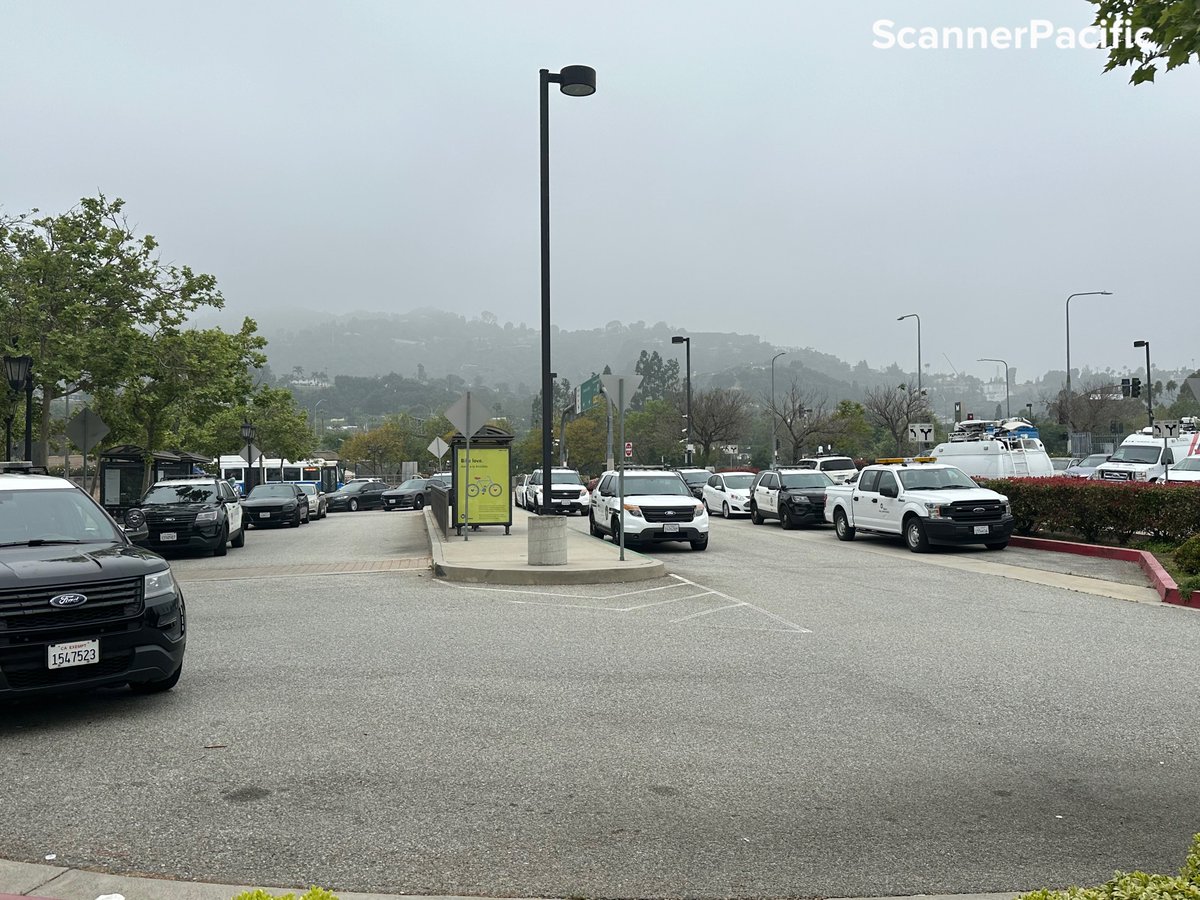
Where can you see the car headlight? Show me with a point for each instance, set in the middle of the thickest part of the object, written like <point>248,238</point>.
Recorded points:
<point>583,492</point>
<point>936,511</point>
<point>159,584</point>
<point>290,505</point>
<point>799,500</point>
<point>633,510</point>
<point>700,508</point>
<point>1007,508</point>
<point>209,515</point>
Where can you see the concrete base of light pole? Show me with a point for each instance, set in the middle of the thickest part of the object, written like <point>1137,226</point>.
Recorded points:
<point>547,541</point>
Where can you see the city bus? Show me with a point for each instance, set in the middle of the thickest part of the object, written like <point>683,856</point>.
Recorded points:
<point>326,474</point>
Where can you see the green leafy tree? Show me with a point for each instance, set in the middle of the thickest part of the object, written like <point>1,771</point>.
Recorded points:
<point>80,292</point>
<point>655,433</point>
<point>849,431</point>
<point>1169,29</point>
<point>382,447</point>
<point>587,441</point>
<point>177,376</point>
<point>660,379</point>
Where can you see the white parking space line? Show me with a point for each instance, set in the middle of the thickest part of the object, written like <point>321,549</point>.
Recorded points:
<point>707,612</point>
<point>791,626</point>
<point>597,602</point>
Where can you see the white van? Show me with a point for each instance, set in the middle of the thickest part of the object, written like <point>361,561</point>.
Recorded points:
<point>1143,457</point>
<point>1008,448</point>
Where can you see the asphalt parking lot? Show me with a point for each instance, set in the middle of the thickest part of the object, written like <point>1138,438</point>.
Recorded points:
<point>784,716</point>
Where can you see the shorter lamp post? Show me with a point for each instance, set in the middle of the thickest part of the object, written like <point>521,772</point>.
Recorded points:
<point>1007,398</point>
<point>247,439</point>
<point>918,318</point>
<point>1149,383</point>
<point>19,372</point>
<point>774,414</point>
<point>687,341</point>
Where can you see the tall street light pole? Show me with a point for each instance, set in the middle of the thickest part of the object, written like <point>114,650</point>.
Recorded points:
<point>1007,399</point>
<point>574,81</point>
<point>1080,294</point>
<point>774,414</point>
<point>1149,382</point>
<point>918,318</point>
<point>687,342</point>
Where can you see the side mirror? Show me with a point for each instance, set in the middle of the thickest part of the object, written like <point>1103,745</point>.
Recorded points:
<point>888,491</point>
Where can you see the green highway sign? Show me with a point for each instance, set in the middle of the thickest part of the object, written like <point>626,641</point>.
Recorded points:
<point>589,394</point>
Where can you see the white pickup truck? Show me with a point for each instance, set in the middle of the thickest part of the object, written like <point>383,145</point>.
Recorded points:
<point>923,501</point>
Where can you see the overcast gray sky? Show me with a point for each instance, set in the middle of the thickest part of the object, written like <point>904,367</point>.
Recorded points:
<point>746,166</point>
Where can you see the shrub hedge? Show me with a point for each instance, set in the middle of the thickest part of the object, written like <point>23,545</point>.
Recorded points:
<point>1138,885</point>
<point>1100,510</point>
<point>313,893</point>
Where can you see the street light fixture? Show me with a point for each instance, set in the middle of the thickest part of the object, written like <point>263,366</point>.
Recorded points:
<point>1149,382</point>
<point>19,372</point>
<point>1080,294</point>
<point>918,318</point>
<point>574,81</point>
<point>774,414</point>
<point>247,439</point>
<point>1007,400</point>
<point>687,341</point>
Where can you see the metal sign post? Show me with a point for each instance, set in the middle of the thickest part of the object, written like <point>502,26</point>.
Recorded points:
<point>86,430</point>
<point>620,387</point>
<point>463,415</point>
<point>1166,429</point>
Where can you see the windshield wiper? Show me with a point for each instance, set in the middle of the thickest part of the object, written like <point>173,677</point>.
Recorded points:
<point>42,542</point>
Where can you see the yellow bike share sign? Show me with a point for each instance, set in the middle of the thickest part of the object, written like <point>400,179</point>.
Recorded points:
<point>486,497</point>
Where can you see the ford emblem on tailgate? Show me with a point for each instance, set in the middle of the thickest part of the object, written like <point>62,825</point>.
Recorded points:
<point>67,601</point>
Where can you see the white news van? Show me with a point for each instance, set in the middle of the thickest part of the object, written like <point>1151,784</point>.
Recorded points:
<point>1143,457</point>
<point>1004,448</point>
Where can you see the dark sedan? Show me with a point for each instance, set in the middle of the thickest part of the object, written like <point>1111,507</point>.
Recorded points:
<point>412,494</point>
<point>358,495</point>
<point>275,504</point>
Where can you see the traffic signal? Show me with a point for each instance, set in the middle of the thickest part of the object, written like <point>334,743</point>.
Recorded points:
<point>1135,387</point>
<point>957,410</point>
<point>1125,387</point>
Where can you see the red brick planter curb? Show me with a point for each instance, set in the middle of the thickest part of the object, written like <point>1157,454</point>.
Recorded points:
<point>1162,582</point>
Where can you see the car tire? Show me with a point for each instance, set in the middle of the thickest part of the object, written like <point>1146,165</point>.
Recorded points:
<point>841,526</point>
<point>785,521</point>
<point>593,528</point>
<point>419,502</point>
<point>222,545</point>
<point>725,513</point>
<point>616,531</point>
<point>914,535</point>
<point>324,512</point>
<point>700,543</point>
<point>997,545</point>
<point>240,540</point>
<point>157,687</point>
<point>755,517</point>
<point>304,516</point>
<point>353,504</point>
<point>295,523</point>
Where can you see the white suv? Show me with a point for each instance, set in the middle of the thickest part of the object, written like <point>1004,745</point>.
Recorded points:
<point>839,468</point>
<point>659,506</point>
<point>568,493</point>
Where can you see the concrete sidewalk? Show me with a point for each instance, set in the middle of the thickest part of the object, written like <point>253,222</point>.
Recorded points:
<point>31,881</point>
<point>490,556</point>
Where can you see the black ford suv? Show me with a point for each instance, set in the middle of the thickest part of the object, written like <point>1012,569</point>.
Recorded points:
<point>197,513</point>
<point>80,605</point>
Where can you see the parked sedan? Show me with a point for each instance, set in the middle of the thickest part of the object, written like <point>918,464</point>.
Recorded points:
<point>728,493</point>
<point>357,495</point>
<point>318,506</point>
<point>1187,469</point>
<point>275,504</point>
<point>412,494</point>
<point>519,490</point>
<point>1086,467</point>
